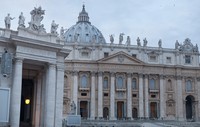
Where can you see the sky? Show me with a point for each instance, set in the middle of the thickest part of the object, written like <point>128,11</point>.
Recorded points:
<point>169,20</point>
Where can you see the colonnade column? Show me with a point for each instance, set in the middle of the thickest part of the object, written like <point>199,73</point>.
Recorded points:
<point>112,97</point>
<point>16,94</point>
<point>75,90</point>
<point>146,93</point>
<point>179,99</point>
<point>129,97</point>
<point>50,96</point>
<point>100,95</point>
<point>141,98</point>
<point>38,100</point>
<point>59,95</point>
<point>162,98</point>
<point>93,106</point>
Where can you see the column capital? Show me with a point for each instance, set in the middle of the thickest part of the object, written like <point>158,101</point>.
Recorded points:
<point>93,73</point>
<point>178,77</point>
<point>74,72</point>
<point>52,65</point>
<point>129,74</point>
<point>112,74</point>
<point>19,59</point>
<point>161,76</point>
<point>140,75</point>
<point>146,75</point>
<point>100,73</point>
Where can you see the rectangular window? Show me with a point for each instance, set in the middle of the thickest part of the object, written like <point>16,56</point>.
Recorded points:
<point>83,94</point>
<point>168,60</point>
<point>105,94</point>
<point>152,84</point>
<point>134,95</point>
<point>152,58</point>
<point>187,59</point>
<point>134,85</point>
<point>153,96</point>
<point>85,54</point>
<point>134,55</point>
<point>106,54</point>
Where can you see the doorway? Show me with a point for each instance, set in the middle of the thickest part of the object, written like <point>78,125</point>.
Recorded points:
<point>190,109</point>
<point>84,109</point>
<point>105,113</point>
<point>153,110</point>
<point>26,103</point>
<point>134,113</point>
<point>120,109</point>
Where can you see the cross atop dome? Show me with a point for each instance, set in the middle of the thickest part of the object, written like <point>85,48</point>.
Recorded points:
<point>83,16</point>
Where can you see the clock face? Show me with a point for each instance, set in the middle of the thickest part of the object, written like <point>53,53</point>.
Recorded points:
<point>188,47</point>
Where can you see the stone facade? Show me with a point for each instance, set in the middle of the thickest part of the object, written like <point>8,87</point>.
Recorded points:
<point>105,80</point>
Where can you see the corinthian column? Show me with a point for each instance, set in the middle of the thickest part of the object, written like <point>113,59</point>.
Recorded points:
<point>179,98</point>
<point>93,106</point>
<point>141,98</point>
<point>198,92</point>
<point>75,89</point>
<point>112,97</point>
<point>162,98</point>
<point>16,94</point>
<point>100,96</point>
<point>146,93</point>
<point>129,97</point>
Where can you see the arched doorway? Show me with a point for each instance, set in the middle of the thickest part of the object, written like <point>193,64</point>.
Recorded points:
<point>105,113</point>
<point>189,105</point>
<point>134,113</point>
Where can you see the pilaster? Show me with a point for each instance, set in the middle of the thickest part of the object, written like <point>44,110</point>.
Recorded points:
<point>75,89</point>
<point>93,103</point>
<point>146,97</point>
<point>162,98</point>
<point>179,98</point>
<point>129,96</point>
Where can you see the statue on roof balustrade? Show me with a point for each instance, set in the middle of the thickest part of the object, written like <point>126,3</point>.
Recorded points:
<point>36,18</point>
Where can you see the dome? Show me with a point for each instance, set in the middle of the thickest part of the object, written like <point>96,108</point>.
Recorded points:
<point>83,31</point>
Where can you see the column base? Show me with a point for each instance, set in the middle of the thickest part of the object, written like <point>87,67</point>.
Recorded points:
<point>180,119</point>
<point>112,118</point>
<point>92,118</point>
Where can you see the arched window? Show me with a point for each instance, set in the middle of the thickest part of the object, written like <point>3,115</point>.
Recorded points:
<point>152,84</point>
<point>120,82</point>
<point>188,86</point>
<point>134,84</point>
<point>169,85</point>
<point>84,81</point>
<point>105,83</point>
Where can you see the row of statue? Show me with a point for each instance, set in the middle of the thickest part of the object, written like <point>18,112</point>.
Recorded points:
<point>128,40</point>
<point>35,23</point>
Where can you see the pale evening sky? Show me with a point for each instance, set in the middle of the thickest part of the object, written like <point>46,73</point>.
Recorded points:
<point>169,20</point>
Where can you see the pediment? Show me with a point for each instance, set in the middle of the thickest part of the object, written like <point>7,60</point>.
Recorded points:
<point>120,58</point>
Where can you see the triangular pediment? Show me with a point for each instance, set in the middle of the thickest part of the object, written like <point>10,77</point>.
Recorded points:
<point>120,58</point>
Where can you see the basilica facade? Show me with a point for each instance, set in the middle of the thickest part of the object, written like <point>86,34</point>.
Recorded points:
<point>119,80</point>
<point>48,72</point>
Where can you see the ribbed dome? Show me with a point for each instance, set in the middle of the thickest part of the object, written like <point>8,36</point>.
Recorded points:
<point>83,31</point>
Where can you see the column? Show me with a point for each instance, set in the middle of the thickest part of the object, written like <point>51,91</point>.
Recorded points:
<point>50,96</point>
<point>75,90</point>
<point>179,99</point>
<point>59,95</point>
<point>141,98</point>
<point>198,92</point>
<point>16,94</point>
<point>146,93</point>
<point>93,103</point>
<point>38,100</point>
<point>162,98</point>
<point>112,97</point>
<point>129,97</point>
<point>100,96</point>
